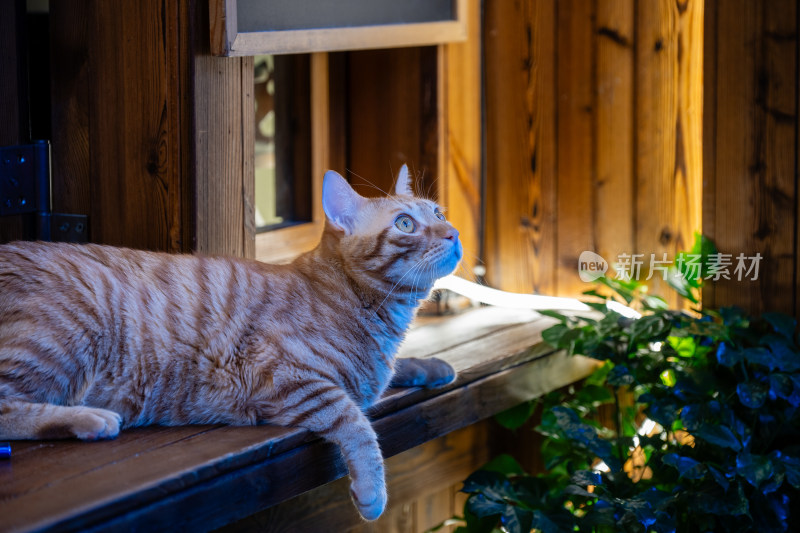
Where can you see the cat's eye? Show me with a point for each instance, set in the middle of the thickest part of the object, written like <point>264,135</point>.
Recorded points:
<point>405,224</point>
<point>439,214</point>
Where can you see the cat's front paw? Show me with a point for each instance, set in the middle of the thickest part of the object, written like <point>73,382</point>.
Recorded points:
<point>430,373</point>
<point>438,373</point>
<point>90,423</point>
<point>370,500</point>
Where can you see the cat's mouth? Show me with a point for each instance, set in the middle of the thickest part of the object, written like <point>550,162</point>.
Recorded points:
<point>446,259</point>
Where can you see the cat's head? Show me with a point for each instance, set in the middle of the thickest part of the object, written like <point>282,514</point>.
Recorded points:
<point>399,242</point>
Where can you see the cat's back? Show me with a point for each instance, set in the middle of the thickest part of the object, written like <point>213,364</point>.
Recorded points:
<point>110,283</point>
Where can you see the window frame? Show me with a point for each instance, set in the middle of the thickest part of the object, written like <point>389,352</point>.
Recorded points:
<point>284,244</point>
<point>226,40</point>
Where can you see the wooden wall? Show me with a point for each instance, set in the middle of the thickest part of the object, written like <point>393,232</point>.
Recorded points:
<point>391,117</point>
<point>751,147</point>
<point>150,132</point>
<point>14,115</point>
<point>593,128</point>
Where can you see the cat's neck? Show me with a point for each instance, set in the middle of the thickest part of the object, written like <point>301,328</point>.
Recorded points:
<point>393,305</point>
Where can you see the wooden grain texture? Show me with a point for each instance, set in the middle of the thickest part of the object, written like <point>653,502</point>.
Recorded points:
<point>752,146</point>
<point>613,161</point>
<point>392,112</point>
<point>576,147</point>
<point>419,482</point>
<point>70,89</point>
<point>668,111</point>
<point>709,138</point>
<point>134,125</point>
<point>219,158</point>
<point>614,187</point>
<point>203,477</point>
<point>520,67</point>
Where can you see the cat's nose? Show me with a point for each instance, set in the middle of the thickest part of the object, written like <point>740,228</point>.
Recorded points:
<point>452,234</point>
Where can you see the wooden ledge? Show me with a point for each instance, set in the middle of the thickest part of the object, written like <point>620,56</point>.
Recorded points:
<point>203,477</point>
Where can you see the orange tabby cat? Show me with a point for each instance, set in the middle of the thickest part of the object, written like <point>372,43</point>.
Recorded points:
<point>95,338</point>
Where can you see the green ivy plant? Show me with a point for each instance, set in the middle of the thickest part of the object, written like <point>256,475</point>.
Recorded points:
<point>710,442</point>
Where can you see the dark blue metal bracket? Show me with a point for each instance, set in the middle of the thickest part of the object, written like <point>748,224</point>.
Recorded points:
<point>25,188</point>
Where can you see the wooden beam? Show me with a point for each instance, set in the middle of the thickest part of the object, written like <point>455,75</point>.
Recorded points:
<point>221,146</point>
<point>416,480</point>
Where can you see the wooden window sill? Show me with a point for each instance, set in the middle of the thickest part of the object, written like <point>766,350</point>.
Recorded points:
<point>203,477</point>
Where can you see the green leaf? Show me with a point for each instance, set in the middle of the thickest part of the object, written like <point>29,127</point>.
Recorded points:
<point>648,328</point>
<point>554,314</point>
<point>687,467</point>
<point>594,395</point>
<point>718,436</point>
<point>515,519</point>
<point>756,469</point>
<point>727,355</point>
<point>553,335</point>
<point>593,292</point>
<point>668,377</point>
<point>542,523</point>
<point>598,377</point>
<point>684,346</point>
<point>681,285</point>
<point>516,416</point>
<point>620,376</point>
<point>783,324</point>
<point>504,464</point>
<point>752,395</point>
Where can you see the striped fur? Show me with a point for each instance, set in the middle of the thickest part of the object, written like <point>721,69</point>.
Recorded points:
<point>94,338</point>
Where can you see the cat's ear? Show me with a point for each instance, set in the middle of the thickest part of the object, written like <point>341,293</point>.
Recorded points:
<point>339,201</point>
<point>403,185</point>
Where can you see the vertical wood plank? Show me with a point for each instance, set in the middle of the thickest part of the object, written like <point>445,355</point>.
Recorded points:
<point>134,125</point>
<point>577,218</point>
<point>656,121</point>
<point>756,143</point>
<point>614,189</point>
<point>392,116</point>
<point>688,189</point>
<point>520,41</point>
<point>710,104</point>
<point>248,159</point>
<point>461,143</point>
<point>668,114</point>
<point>69,72</point>
<point>434,509</point>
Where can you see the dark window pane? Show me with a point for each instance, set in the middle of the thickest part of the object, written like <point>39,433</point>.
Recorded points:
<point>283,141</point>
